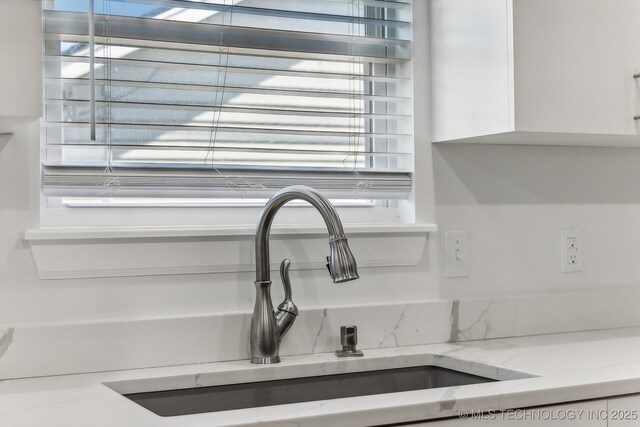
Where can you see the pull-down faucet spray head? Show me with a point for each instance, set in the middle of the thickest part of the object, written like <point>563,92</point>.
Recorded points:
<point>341,262</point>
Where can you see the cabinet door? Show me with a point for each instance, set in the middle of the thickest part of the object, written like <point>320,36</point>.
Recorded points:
<point>588,414</point>
<point>536,71</point>
<point>20,63</point>
<point>471,68</point>
<point>574,65</point>
<point>624,411</point>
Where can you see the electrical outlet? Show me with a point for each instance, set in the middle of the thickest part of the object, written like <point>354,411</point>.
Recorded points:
<point>456,254</point>
<point>571,250</point>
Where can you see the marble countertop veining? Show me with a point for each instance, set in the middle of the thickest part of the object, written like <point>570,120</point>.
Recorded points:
<point>547,369</point>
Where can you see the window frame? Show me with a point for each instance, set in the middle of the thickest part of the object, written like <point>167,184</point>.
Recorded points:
<point>387,212</point>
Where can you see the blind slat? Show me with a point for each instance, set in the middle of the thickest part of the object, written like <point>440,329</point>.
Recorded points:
<point>345,152</point>
<point>229,89</point>
<point>263,111</point>
<point>215,49</point>
<point>230,129</point>
<point>238,37</point>
<point>159,182</point>
<point>295,11</point>
<point>355,74</point>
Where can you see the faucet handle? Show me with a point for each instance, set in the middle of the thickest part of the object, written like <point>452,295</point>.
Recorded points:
<point>285,265</point>
<point>287,305</point>
<point>287,311</point>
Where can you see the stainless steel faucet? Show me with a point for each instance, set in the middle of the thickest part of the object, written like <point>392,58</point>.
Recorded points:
<point>268,327</point>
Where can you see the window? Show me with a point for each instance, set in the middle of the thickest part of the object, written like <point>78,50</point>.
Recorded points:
<point>223,100</point>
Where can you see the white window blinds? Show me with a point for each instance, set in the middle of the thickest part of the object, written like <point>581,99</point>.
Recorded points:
<point>227,98</point>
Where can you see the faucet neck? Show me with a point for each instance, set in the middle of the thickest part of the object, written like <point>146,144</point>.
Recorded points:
<point>264,329</point>
<point>327,211</point>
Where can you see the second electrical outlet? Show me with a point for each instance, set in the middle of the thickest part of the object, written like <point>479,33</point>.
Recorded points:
<point>571,250</point>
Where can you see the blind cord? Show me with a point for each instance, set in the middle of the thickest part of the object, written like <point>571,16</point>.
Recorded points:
<point>231,182</point>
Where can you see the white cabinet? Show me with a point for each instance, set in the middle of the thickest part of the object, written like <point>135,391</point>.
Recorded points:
<point>624,411</point>
<point>588,414</point>
<point>20,63</point>
<point>536,71</point>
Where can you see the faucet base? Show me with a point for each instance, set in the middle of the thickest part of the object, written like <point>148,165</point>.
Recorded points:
<point>349,353</point>
<point>265,360</point>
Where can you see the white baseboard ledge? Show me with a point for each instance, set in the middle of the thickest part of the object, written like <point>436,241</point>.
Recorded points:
<point>64,253</point>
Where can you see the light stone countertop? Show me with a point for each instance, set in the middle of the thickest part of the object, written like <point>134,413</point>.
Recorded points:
<point>538,370</point>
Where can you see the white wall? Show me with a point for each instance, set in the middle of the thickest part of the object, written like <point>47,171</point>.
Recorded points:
<point>515,199</point>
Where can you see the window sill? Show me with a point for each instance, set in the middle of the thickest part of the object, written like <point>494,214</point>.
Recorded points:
<point>61,234</point>
<point>61,253</point>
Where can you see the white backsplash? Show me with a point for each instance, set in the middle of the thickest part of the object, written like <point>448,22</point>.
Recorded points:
<point>66,348</point>
<point>484,318</point>
<point>37,350</point>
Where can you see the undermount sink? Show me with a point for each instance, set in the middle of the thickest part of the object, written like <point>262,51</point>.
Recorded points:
<point>169,403</point>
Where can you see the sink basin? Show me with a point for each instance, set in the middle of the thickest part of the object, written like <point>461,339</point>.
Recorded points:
<point>225,397</point>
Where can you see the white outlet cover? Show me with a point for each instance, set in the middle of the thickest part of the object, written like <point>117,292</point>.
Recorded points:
<point>456,254</point>
<point>571,250</point>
